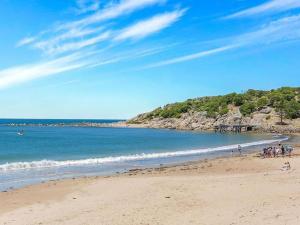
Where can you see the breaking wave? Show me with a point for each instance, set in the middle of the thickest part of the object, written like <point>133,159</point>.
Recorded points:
<point>114,159</point>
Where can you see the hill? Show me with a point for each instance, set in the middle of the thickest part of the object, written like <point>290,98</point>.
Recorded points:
<point>273,110</point>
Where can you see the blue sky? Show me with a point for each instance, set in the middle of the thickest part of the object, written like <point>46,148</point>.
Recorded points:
<point>115,59</point>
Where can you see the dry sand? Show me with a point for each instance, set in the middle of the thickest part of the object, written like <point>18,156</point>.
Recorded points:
<point>235,190</point>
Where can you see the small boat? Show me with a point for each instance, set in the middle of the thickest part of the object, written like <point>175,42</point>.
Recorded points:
<point>21,133</point>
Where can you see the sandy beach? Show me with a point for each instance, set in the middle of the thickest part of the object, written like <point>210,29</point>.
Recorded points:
<point>231,190</point>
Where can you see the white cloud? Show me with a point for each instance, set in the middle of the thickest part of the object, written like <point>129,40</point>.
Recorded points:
<point>147,27</point>
<point>24,73</point>
<point>49,45</point>
<point>190,57</point>
<point>273,6</point>
<point>80,60</point>
<point>111,11</point>
<point>85,6</point>
<point>130,55</point>
<point>76,44</point>
<point>281,30</point>
<point>98,63</point>
<point>278,31</point>
<point>26,41</point>
<point>58,37</point>
<point>73,45</point>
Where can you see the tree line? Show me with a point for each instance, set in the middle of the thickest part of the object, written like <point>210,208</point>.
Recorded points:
<point>285,100</point>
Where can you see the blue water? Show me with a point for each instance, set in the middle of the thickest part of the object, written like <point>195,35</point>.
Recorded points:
<point>44,152</point>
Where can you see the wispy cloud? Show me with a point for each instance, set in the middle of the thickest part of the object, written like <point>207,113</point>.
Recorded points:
<point>85,6</point>
<point>75,44</point>
<point>190,57</point>
<point>61,43</point>
<point>26,41</point>
<point>111,12</point>
<point>24,73</point>
<point>149,26</point>
<point>79,60</point>
<point>278,31</point>
<point>281,30</point>
<point>270,7</point>
<point>49,46</point>
<point>63,36</point>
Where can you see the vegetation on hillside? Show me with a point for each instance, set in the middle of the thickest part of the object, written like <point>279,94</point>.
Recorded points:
<point>285,100</point>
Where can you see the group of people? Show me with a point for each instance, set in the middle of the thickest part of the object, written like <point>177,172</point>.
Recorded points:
<point>275,151</point>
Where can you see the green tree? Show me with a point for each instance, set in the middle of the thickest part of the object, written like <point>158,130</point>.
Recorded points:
<point>238,100</point>
<point>292,109</point>
<point>223,110</point>
<point>247,108</point>
<point>280,105</point>
<point>262,102</point>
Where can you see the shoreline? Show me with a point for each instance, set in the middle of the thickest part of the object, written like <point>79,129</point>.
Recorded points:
<point>185,186</point>
<point>19,173</point>
<point>138,170</point>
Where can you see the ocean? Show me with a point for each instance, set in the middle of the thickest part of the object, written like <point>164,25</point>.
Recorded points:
<point>45,153</point>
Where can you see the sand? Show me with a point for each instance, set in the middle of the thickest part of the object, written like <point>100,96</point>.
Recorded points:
<point>233,190</point>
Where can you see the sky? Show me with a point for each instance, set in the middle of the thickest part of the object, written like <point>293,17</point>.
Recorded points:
<point>114,59</point>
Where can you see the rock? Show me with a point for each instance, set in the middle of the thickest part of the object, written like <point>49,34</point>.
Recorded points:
<point>199,121</point>
<point>266,110</point>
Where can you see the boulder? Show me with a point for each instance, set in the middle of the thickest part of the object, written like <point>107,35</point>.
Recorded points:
<point>266,110</point>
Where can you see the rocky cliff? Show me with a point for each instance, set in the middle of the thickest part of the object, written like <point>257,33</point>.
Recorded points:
<point>264,120</point>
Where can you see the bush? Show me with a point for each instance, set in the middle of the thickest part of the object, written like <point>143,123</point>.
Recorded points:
<point>224,110</point>
<point>262,102</point>
<point>247,108</point>
<point>175,110</point>
<point>238,100</point>
<point>292,109</point>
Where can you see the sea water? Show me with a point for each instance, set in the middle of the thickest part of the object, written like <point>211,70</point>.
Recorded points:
<point>52,152</point>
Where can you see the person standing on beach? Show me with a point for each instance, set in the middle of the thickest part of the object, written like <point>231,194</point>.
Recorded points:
<point>282,151</point>
<point>240,149</point>
<point>274,151</point>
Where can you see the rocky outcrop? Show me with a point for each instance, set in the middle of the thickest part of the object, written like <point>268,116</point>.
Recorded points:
<point>265,120</point>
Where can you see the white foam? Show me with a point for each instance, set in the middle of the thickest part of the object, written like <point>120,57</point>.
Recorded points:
<point>143,156</point>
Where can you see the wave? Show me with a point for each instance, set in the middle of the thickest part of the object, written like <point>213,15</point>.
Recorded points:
<point>143,156</point>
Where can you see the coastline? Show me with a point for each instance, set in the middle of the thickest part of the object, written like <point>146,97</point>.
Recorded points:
<point>17,175</point>
<point>168,125</point>
<point>175,194</point>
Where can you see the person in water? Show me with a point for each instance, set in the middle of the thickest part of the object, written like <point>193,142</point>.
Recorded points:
<point>240,149</point>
